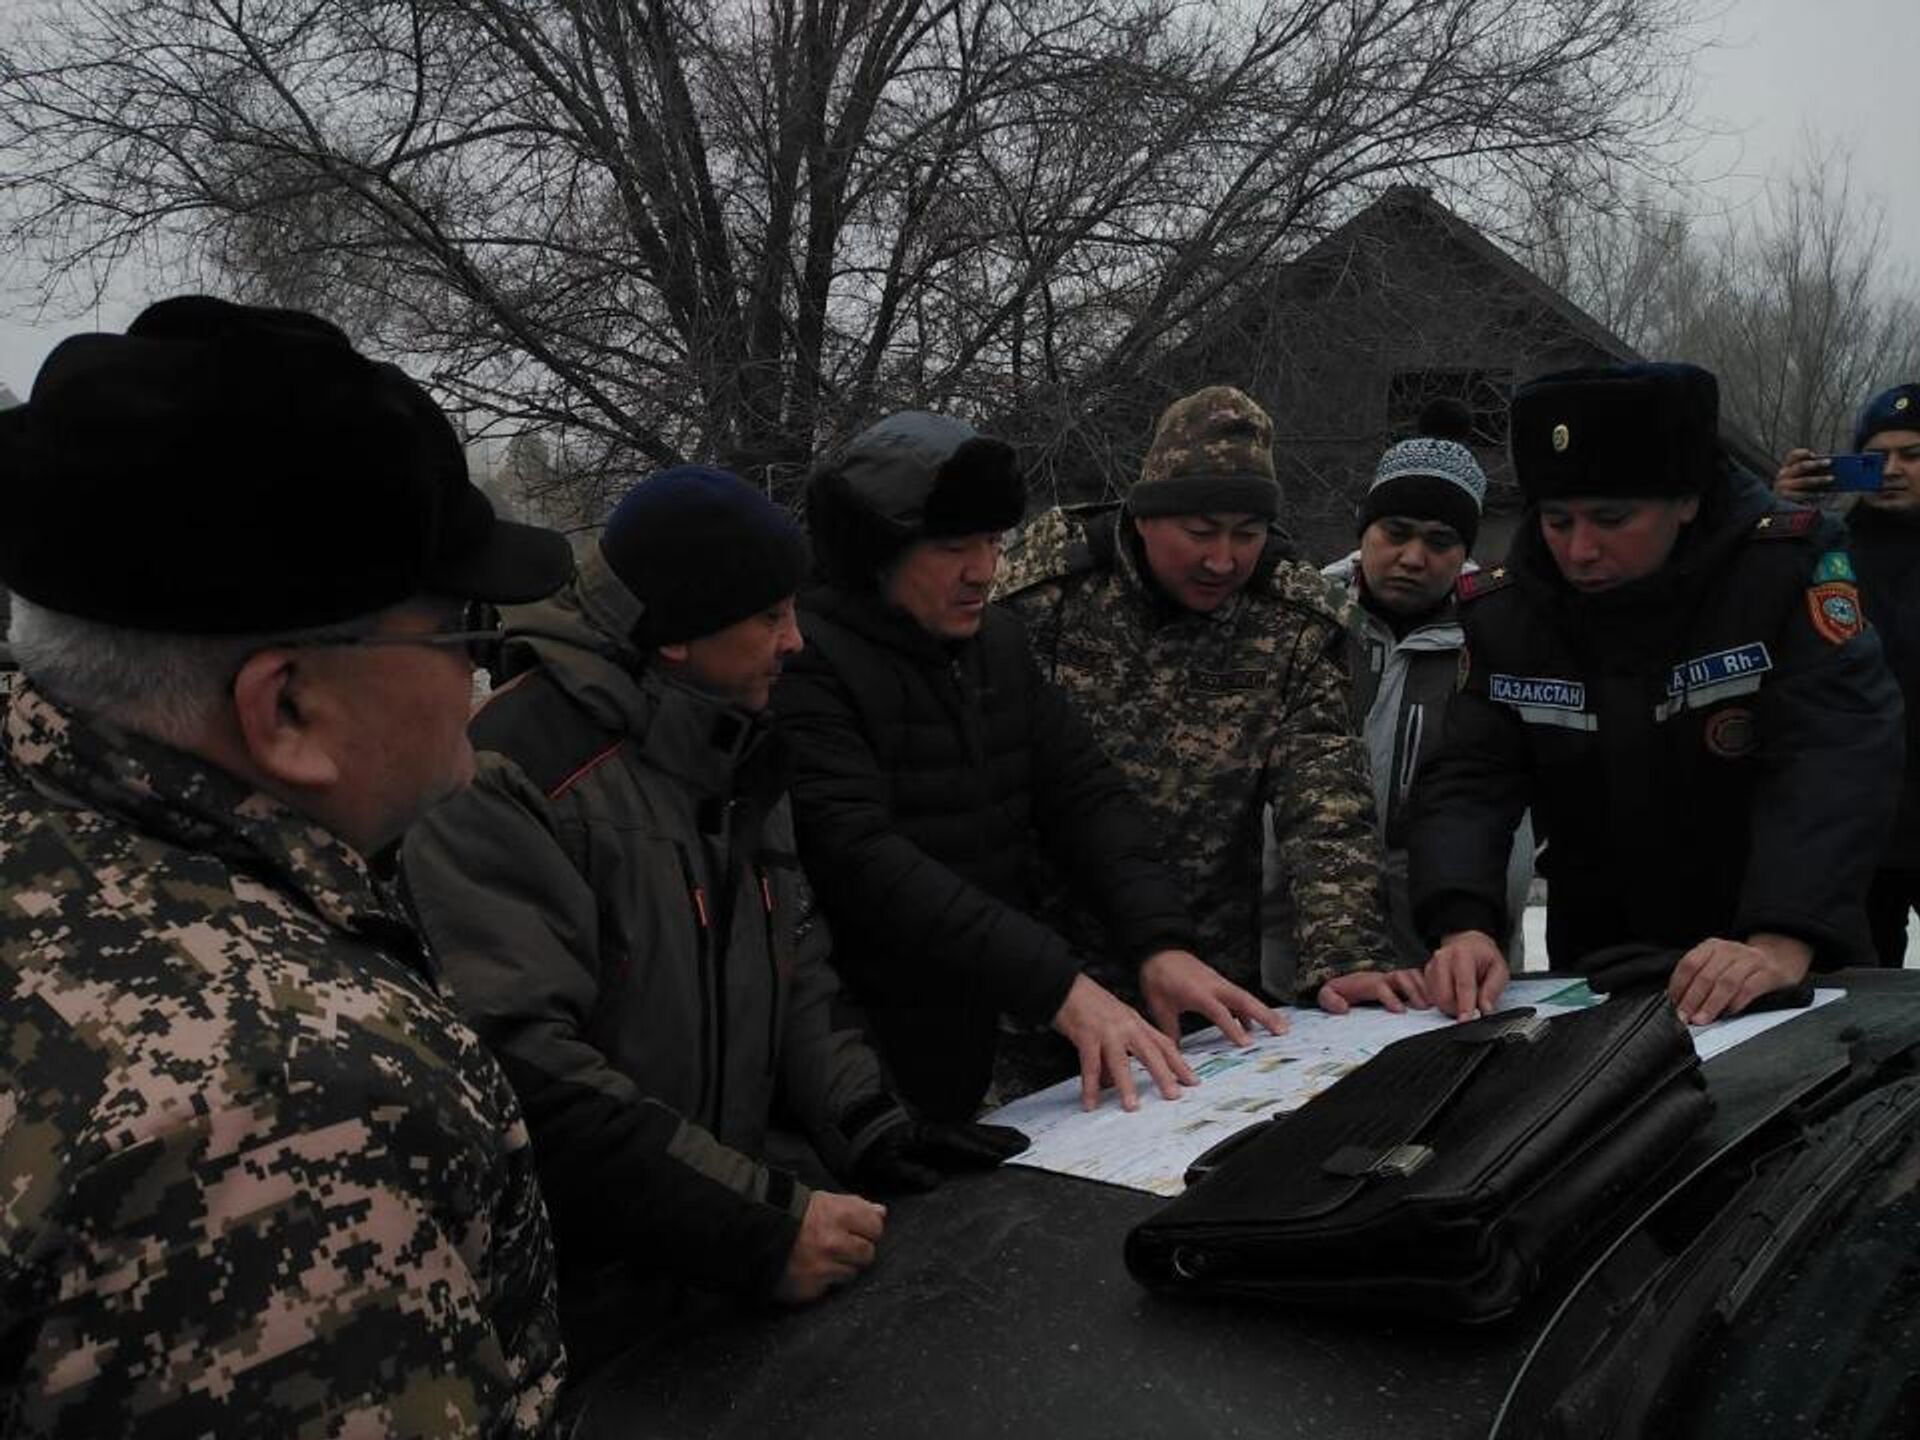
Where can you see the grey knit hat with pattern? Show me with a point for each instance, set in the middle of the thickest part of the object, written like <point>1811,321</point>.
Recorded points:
<point>1432,476</point>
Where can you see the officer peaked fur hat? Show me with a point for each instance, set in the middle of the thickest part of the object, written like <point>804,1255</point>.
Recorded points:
<point>914,476</point>
<point>222,469</point>
<point>1624,431</point>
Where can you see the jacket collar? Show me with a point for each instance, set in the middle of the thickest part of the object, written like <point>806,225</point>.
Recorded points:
<point>717,750</point>
<point>1439,631</point>
<point>185,801</point>
<point>579,637</point>
<point>1728,511</point>
<point>866,614</point>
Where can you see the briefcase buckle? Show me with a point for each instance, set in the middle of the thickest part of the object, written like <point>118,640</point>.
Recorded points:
<point>1522,1030</point>
<point>1396,1162</point>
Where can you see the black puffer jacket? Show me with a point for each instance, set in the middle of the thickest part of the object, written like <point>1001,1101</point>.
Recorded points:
<point>1712,751</point>
<point>927,772</point>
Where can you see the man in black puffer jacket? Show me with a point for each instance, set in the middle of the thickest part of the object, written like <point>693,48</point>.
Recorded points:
<point>1673,670</point>
<point>932,758</point>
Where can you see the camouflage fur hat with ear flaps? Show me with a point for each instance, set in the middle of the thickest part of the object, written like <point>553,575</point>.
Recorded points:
<point>1212,453</point>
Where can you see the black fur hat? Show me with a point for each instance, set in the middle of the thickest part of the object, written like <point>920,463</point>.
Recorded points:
<point>225,468</point>
<point>1619,430</point>
<point>913,476</point>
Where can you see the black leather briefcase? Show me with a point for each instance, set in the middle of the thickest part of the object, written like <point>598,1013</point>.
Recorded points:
<point>1445,1175</point>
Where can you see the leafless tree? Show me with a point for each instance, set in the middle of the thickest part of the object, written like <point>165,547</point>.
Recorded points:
<point>739,228</point>
<point>1794,305</point>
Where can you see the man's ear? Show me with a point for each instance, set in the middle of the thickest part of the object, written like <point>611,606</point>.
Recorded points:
<point>278,709</point>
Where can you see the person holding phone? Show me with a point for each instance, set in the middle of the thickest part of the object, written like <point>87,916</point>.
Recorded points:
<point>1885,526</point>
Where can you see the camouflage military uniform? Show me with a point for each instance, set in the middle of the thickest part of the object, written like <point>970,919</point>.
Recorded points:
<point>257,1179</point>
<point>1217,719</point>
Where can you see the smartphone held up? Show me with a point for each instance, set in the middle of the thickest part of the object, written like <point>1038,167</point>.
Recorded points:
<point>1861,474</point>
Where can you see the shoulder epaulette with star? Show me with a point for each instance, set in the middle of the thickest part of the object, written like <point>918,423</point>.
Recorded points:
<point>1785,524</point>
<point>1477,583</point>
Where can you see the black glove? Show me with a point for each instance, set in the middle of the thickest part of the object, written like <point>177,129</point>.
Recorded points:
<point>914,1157</point>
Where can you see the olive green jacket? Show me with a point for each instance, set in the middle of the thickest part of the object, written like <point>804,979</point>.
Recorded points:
<point>618,907</point>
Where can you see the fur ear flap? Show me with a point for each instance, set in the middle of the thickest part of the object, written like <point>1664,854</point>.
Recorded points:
<point>978,488</point>
<point>851,544</point>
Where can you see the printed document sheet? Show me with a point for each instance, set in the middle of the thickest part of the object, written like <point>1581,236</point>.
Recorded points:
<point>1151,1148</point>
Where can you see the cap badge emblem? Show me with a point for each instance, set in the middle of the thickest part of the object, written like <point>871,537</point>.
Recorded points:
<point>1903,402</point>
<point>1561,437</point>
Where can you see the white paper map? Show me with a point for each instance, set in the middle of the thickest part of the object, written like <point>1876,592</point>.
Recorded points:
<point>1150,1148</point>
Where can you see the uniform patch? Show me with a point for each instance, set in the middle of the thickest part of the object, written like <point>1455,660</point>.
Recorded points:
<point>1835,610</point>
<point>1731,734</point>
<point>1720,675</point>
<point>1785,524</point>
<point>1834,565</point>
<point>1225,682</point>
<point>1544,700</point>
<point>1538,690</point>
<point>1475,583</point>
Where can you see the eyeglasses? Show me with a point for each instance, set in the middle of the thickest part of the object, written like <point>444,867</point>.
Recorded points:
<point>480,630</point>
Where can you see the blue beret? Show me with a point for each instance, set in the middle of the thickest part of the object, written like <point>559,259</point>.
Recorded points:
<point>1895,409</point>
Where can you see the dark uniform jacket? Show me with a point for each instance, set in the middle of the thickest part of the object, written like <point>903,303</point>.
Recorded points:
<point>1712,751</point>
<point>1886,555</point>
<point>615,901</point>
<point>925,774</point>
<point>256,1178</point>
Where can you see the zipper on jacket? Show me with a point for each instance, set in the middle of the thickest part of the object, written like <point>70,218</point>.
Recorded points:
<point>712,1000</point>
<point>773,968</point>
<point>969,714</point>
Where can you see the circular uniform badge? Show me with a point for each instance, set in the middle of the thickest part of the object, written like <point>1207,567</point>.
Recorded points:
<point>1731,734</point>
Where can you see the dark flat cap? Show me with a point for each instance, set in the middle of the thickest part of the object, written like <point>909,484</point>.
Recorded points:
<point>226,468</point>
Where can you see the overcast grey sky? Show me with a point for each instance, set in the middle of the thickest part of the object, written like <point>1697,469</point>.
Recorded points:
<point>1844,72</point>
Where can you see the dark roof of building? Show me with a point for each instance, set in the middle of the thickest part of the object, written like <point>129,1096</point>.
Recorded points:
<point>1396,204</point>
<point>1401,202</point>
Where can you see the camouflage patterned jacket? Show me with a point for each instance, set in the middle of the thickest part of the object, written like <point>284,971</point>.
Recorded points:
<point>255,1178</point>
<point>1218,720</point>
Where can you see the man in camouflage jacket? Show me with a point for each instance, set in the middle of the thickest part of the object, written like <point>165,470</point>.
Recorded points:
<point>1213,673</point>
<point>257,1178</point>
